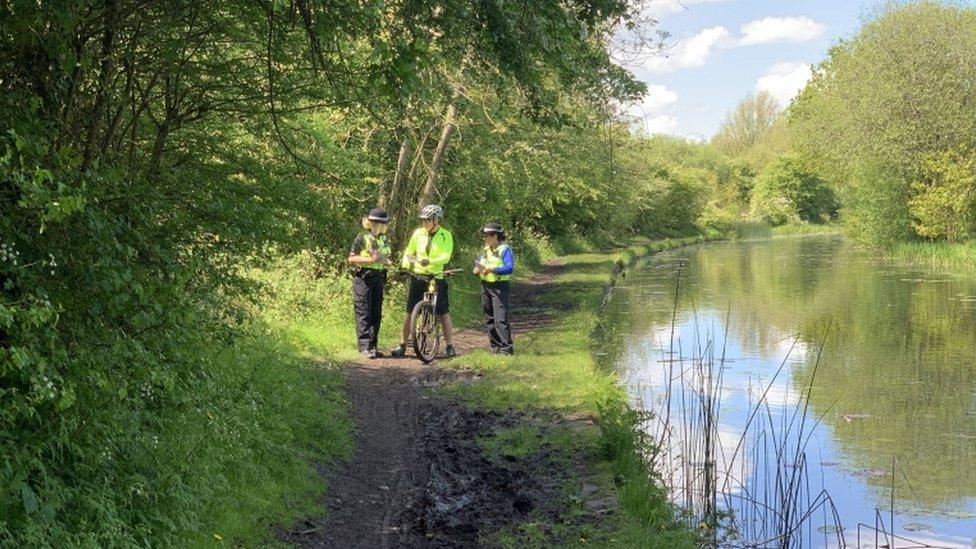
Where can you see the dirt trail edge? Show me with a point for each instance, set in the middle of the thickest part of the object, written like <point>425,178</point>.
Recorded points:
<point>418,477</point>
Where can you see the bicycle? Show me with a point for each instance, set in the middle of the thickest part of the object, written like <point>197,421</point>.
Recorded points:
<point>424,324</point>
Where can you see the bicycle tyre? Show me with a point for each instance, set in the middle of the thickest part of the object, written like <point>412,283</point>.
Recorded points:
<point>424,328</point>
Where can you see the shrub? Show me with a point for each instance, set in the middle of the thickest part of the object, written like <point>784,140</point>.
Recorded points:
<point>875,206</point>
<point>943,205</point>
<point>787,192</point>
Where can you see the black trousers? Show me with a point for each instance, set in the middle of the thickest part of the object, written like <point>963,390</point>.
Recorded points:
<point>495,304</point>
<point>367,301</point>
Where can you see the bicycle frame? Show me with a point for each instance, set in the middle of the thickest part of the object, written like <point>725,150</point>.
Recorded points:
<point>426,336</point>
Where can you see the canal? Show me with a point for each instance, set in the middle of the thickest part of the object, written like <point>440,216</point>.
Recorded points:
<point>803,387</point>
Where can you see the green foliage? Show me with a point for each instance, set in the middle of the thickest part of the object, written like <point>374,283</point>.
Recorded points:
<point>787,192</point>
<point>875,208</point>
<point>671,181</point>
<point>883,105</point>
<point>943,205</point>
<point>746,124</point>
<point>179,183</point>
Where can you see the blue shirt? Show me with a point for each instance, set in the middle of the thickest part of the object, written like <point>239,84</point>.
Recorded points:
<point>508,263</point>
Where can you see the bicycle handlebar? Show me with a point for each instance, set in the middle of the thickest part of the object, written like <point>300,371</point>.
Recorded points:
<point>447,272</point>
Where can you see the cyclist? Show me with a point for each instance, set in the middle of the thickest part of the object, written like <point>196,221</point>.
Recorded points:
<point>428,251</point>
<point>369,257</point>
<point>495,266</point>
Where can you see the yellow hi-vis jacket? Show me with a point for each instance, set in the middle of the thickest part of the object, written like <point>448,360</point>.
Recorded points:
<point>491,260</point>
<point>437,249</point>
<point>371,244</point>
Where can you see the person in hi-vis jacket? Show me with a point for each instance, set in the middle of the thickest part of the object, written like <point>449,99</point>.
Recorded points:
<point>369,258</point>
<point>495,266</point>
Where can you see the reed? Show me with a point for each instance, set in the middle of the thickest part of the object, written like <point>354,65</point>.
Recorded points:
<point>959,257</point>
<point>761,491</point>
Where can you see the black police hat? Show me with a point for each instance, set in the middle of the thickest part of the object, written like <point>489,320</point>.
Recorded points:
<point>378,215</point>
<point>492,228</point>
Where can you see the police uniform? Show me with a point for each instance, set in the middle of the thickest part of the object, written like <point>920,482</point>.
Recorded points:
<point>368,281</point>
<point>437,249</point>
<point>499,263</point>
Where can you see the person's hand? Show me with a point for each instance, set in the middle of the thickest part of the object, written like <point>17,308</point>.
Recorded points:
<point>476,270</point>
<point>424,262</point>
<point>388,262</point>
<point>375,256</point>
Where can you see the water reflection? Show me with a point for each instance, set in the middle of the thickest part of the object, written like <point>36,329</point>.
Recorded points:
<point>896,385</point>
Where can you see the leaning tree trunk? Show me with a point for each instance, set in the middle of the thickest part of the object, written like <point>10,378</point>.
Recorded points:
<point>430,188</point>
<point>397,200</point>
<point>390,202</point>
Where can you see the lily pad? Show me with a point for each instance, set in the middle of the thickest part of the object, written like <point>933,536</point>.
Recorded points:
<point>870,473</point>
<point>830,529</point>
<point>916,527</point>
<point>961,514</point>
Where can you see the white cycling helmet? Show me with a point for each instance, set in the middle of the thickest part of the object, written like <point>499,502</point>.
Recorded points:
<point>431,211</point>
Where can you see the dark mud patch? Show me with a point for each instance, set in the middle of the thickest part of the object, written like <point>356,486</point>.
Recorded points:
<point>421,474</point>
<point>469,493</point>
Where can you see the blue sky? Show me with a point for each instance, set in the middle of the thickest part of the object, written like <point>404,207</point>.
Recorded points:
<point>724,50</point>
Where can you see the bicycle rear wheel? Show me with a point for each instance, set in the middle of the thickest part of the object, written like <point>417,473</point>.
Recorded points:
<point>426,335</point>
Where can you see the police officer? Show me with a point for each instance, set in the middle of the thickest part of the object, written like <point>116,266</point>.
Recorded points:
<point>495,266</point>
<point>369,258</point>
<point>430,248</point>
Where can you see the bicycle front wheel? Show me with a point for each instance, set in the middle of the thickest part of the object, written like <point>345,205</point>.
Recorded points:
<point>423,326</point>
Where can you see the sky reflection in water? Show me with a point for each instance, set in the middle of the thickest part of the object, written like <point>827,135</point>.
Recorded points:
<point>896,381</point>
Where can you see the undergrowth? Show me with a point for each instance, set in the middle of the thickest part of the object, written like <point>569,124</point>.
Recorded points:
<point>554,370</point>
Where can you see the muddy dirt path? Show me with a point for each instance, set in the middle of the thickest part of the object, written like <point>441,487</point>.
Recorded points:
<point>418,477</point>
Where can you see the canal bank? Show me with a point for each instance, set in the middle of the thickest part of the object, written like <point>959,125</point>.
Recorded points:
<point>859,368</point>
<point>539,449</point>
<point>573,409</point>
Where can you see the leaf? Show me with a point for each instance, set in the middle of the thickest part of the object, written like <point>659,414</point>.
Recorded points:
<point>29,498</point>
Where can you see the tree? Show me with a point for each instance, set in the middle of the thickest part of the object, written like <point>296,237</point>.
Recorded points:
<point>884,102</point>
<point>943,203</point>
<point>746,123</point>
<point>786,191</point>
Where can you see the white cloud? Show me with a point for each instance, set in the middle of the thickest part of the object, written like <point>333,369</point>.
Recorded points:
<point>695,50</point>
<point>770,30</point>
<point>690,52</point>
<point>664,123</point>
<point>650,114</point>
<point>658,98</point>
<point>784,80</point>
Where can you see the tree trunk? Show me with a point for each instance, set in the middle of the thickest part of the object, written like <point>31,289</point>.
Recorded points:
<point>398,176</point>
<point>105,76</point>
<point>430,188</point>
<point>398,199</point>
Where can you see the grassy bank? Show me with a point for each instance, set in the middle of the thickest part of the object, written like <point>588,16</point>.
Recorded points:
<point>805,229</point>
<point>755,230</point>
<point>941,256</point>
<point>287,410</point>
<point>554,370</point>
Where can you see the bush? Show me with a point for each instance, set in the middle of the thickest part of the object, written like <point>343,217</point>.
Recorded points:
<point>943,205</point>
<point>875,206</point>
<point>787,192</point>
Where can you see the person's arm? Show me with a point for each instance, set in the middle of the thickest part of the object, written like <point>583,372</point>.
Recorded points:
<point>477,263</point>
<point>444,251</point>
<point>357,247</point>
<point>508,263</point>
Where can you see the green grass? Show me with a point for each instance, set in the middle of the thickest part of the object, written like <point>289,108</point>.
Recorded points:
<point>805,229</point>
<point>554,370</point>
<point>937,255</point>
<point>282,408</point>
<point>253,443</point>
